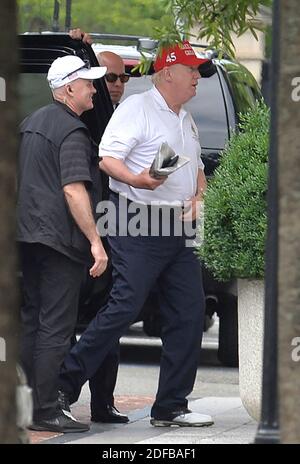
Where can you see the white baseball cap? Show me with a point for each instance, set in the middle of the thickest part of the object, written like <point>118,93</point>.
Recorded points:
<point>69,68</point>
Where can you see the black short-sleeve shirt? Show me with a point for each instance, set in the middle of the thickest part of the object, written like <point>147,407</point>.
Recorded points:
<point>75,159</point>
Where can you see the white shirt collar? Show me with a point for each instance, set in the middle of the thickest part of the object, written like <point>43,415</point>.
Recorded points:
<point>163,104</point>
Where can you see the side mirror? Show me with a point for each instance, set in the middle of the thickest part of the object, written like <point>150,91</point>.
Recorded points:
<point>147,44</point>
<point>207,69</point>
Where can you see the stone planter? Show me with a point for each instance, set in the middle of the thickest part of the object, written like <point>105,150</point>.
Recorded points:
<point>251,328</point>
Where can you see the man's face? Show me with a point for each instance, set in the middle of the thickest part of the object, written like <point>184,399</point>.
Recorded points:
<point>115,65</point>
<point>185,81</point>
<point>83,91</point>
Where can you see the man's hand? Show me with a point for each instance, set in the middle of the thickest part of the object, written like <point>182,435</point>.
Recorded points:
<point>100,257</point>
<point>78,34</point>
<point>145,181</point>
<point>79,203</point>
<point>192,209</point>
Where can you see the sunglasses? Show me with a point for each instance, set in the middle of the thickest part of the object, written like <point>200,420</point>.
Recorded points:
<point>112,77</point>
<point>86,65</point>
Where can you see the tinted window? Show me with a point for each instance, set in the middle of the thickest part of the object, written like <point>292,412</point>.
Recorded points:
<point>34,92</point>
<point>137,85</point>
<point>244,88</point>
<point>207,108</point>
<point>244,97</point>
<point>208,111</point>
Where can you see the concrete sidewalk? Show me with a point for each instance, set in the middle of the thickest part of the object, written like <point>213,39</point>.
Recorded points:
<point>232,425</point>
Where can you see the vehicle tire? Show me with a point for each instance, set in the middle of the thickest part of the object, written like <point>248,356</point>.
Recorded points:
<point>228,331</point>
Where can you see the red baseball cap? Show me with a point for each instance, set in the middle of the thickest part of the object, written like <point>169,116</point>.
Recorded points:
<point>178,54</point>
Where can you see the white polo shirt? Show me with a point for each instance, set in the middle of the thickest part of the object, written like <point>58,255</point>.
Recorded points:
<point>134,134</point>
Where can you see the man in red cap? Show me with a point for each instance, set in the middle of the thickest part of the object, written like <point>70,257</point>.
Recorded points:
<point>159,249</point>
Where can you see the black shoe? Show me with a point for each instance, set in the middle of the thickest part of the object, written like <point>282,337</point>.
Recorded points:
<point>60,423</point>
<point>63,401</point>
<point>110,416</point>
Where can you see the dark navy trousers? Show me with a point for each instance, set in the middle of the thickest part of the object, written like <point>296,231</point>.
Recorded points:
<point>138,264</point>
<point>103,382</point>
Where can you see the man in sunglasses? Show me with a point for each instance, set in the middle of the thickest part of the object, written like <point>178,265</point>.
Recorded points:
<point>58,184</point>
<point>103,383</point>
<point>115,76</point>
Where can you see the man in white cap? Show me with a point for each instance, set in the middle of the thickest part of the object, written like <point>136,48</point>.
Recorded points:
<point>59,184</point>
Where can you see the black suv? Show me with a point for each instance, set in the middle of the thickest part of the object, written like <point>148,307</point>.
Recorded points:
<point>232,89</point>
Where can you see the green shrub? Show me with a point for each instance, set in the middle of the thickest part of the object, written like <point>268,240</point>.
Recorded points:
<point>235,202</point>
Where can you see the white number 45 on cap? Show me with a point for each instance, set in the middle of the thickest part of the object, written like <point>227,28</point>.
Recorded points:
<point>171,57</point>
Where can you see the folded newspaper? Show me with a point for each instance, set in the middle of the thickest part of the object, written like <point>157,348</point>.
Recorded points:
<point>166,161</point>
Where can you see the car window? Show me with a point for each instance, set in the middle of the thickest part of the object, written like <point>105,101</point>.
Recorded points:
<point>207,108</point>
<point>137,85</point>
<point>34,91</point>
<point>208,111</point>
<point>244,97</point>
<point>244,89</point>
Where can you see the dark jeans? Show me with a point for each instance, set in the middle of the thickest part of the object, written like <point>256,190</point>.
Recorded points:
<point>51,285</point>
<point>138,263</point>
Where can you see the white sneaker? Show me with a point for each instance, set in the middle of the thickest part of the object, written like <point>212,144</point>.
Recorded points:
<point>189,419</point>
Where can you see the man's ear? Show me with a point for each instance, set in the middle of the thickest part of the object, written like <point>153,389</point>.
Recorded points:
<point>168,74</point>
<point>69,89</point>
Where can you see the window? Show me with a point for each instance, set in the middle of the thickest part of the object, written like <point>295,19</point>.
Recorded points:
<point>244,89</point>
<point>208,111</point>
<point>34,92</point>
<point>244,97</point>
